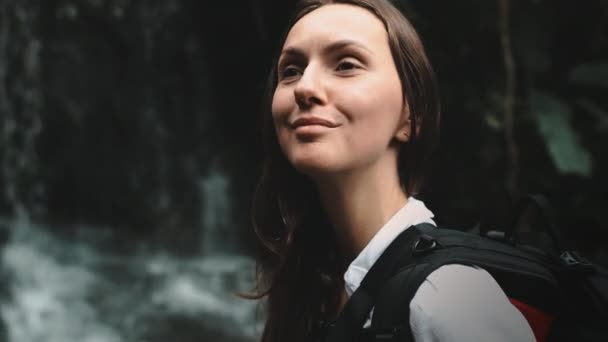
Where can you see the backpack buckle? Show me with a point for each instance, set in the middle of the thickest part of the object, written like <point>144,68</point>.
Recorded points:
<point>574,259</point>
<point>425,244</point>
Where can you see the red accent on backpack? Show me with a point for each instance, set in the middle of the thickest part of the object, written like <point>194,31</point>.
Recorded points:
<point>539,321</point>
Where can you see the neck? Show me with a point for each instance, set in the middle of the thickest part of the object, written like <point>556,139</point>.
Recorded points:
<point>358,203</point>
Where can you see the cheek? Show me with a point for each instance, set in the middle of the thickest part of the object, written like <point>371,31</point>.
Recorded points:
<point>376,104</point>
<point>280,108</point>
<point>282,102</point>
<point>388,97</point>
<point>275,106</point>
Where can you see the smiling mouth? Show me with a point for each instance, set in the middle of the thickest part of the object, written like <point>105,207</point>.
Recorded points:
<point>312,121</point>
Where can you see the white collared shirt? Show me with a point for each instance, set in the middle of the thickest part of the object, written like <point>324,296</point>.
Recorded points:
<point>455,302</point>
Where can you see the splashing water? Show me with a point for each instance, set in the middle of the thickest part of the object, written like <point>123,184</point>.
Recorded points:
<point>62,291</point>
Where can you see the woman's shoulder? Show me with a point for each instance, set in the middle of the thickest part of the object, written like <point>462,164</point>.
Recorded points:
<point>465,303</point>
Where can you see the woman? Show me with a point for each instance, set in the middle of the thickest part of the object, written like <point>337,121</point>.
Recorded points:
<point>355,116</point>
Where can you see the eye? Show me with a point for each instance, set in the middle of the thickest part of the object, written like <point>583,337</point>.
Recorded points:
<point>289,72</point>
<point>346,65</point>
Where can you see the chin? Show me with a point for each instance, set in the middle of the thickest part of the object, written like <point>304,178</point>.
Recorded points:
<point>313,164</point>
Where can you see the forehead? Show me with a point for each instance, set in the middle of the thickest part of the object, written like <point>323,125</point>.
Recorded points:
<point>336,22</point>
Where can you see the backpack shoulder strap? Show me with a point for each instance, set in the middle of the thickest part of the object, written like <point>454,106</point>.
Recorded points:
<point>510,266</point>
<point>390,321</point>
<point>353,316</point>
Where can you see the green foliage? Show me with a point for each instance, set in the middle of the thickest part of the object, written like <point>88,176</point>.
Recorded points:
<point>590,74</point>
<point>553,116</point>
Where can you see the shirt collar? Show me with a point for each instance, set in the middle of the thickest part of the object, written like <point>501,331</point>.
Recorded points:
<point>412,213</point>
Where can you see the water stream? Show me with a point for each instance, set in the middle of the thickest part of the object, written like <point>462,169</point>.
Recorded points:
<point>61,290</point>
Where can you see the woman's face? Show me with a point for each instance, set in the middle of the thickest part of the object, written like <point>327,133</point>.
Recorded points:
<point>338,103</point>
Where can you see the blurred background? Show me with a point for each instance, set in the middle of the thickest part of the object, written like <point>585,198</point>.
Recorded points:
<point>129,150</point>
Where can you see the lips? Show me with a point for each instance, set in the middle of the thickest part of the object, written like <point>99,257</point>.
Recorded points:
<point>312,121</point>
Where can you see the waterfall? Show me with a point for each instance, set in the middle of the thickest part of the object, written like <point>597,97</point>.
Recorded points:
<point>218,236</point>
<point>69,282</point>
<point>20,107</point>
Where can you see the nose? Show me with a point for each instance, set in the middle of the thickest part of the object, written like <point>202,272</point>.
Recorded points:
<point>309,90</point>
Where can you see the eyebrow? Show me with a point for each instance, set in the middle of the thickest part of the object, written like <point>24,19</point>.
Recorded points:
<point>329,49</point>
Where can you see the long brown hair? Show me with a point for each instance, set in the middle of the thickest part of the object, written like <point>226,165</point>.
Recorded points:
<point>299,271</point>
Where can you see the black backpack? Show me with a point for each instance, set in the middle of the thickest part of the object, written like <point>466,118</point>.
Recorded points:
<point>533,268</point>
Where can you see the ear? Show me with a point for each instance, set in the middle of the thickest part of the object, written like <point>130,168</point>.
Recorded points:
<point>405,126</point>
